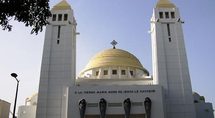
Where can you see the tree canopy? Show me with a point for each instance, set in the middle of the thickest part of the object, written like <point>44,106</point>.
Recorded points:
<point>33,13</point>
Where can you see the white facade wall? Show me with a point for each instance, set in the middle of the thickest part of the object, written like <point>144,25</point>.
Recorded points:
<point>204,110</point>
<point>27,111</point>
<point>170,67</point>
<point>113,81</point>
<point>116,94</point>
<point>58,65</point>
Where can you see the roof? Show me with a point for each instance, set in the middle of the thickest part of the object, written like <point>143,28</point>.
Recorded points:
<point>63,5</point>
<point>165,4</point>
<point>112,58</point>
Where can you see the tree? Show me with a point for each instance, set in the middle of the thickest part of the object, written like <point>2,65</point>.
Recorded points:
<point>33,13</point>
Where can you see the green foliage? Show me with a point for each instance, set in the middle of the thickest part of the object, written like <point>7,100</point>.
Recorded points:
<point>207,110</point>
<point>202,98</point>
<point>33,13</point>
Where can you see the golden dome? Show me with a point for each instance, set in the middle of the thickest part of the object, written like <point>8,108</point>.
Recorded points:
<point>113,58</point>
<point>63,5</point>
<point>165,4</point>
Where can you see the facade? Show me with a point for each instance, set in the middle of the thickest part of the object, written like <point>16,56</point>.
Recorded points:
<point>4,109</point>
<point>29,109</point>
<point>114,84</point>
<point>115,77</point>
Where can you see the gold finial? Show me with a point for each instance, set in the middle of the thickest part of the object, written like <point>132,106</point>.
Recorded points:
<point>114,43</point>
<point>165,4</point>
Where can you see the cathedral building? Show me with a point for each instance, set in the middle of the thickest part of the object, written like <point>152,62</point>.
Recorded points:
<point>114,84</point>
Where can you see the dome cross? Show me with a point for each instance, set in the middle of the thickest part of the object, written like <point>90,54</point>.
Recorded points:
<point>114,43</point>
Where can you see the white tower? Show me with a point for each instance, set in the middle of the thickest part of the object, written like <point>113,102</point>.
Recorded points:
<point>170,67</point>
<point>58,63</point>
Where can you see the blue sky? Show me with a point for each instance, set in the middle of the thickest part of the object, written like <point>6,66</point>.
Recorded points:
<point>100,22</point>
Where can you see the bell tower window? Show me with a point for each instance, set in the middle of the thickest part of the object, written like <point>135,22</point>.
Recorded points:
<point>132,73</point>
<point>105,72</point>
<point>54,16</point>
<point>161,14</point>
<point>167,14</point>
<point>172,14</point>
<point>97,73</point>
<point>59,17</point>
<point>58,32</point>
<point>169,32</point>
<point>65,17</point>
<point>114,72</point>
<point>123,72</point>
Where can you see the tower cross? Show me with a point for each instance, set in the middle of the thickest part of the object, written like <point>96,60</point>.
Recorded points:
<point>114,43</point>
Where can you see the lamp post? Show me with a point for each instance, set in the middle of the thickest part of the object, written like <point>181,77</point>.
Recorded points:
<point>17,86</point>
